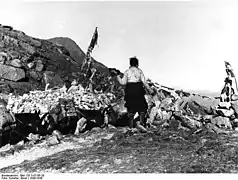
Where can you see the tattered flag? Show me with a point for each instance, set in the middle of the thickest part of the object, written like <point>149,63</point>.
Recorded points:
<point>93,41</point>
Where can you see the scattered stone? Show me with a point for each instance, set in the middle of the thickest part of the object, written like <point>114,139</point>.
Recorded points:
<point>81,124</point>
<point>33,137</point>
<point>213,128</point>
<point>16,63</point>
<point>6,88</point>
<point>39,66</point>
<point>134,130</point>
<point>5,148</point>
<point>225,105</point>
<point>57,134</point>
<point>222,122</point>
<point>96,129</point>
<point>140,128</point>
<point>13,54</point>
<point>11,73</point>
<point>234,105</point>
<point>30,65</point>
<point>30,49</point>
<point>52,140</point>
<point>35,75</point>
<point>53,79</point>
<point>1,44</point>
<point>35,42</point>
<point>111,126</point>
<point>3,57</point>
<point>166,103</point>
<point>27,59</point>
<point>20,143</point>
<point>225,112</point>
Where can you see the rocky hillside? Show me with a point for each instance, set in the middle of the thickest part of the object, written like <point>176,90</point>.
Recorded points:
<point>28,63</point>
<point>76,52</point>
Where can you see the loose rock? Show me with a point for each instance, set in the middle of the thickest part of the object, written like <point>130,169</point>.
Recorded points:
<point>11,73</point>
<point>16,63</point>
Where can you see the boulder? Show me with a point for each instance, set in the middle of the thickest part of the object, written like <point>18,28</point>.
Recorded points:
<point>6,88</point>
<point>2,44</point>
<point>213,128</point>
<point>222,122</point>
<point>96,129</point>
<point>166,103</point>
<point>27,47</point>
<point>31,65</point>
<point>26,59</point>
<point>224,105</point>
<point>57,134</point>
<point>11,73</point>
<point>225,112</point>
<point>16,63</point>
<point>33,137</point>
<point>52,140</point>
<point>53,79</point>
<point>234,105</point>
<point>35,75</point>
<point>39,66</point>
<point>13,54</point>
<point>35,42</point>
<point>81,125</point>
<point>235,123</point>
<point>3,57</point>
<point>187,121</point>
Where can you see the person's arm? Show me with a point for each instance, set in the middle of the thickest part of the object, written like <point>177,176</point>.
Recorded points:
<point>122,80</point>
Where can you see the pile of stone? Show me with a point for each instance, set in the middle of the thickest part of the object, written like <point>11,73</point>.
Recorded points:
<point>169,107</point>
<point>44,101</point>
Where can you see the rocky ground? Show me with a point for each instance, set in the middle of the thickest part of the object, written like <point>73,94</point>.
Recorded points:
<point>119,150</point>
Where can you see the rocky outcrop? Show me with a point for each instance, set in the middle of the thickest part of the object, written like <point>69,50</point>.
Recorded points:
<point>11,73</point>
<point>26,60</point>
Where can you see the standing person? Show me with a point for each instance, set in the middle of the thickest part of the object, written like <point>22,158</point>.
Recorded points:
<point>135,82</point>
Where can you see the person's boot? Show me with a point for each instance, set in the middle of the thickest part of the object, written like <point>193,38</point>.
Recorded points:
<point>142,119</point>
<point>131,119</point>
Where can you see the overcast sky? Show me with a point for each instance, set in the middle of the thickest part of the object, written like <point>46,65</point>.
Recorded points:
<point>179,44</point>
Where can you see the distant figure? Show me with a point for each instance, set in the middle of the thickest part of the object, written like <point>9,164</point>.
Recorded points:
<point>135,82</point>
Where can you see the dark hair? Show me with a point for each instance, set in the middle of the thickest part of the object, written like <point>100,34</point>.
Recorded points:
<point>134,61</point>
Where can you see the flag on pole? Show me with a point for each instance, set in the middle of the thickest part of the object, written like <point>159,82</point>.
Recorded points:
<point>231,76</point>
<point>229,69</point>
<point>94,40</point>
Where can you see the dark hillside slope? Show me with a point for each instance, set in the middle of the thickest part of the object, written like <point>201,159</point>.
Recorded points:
<point>76,52</point>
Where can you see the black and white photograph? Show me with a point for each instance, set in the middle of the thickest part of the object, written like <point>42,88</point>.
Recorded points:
<point>118,87</point>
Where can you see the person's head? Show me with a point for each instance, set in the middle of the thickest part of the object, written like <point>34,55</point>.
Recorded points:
<point>134,62</point>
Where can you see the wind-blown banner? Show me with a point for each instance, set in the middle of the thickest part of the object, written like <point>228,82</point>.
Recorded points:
<point>87,59</point>
<point>230,88</point>
<point>230,73</point>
